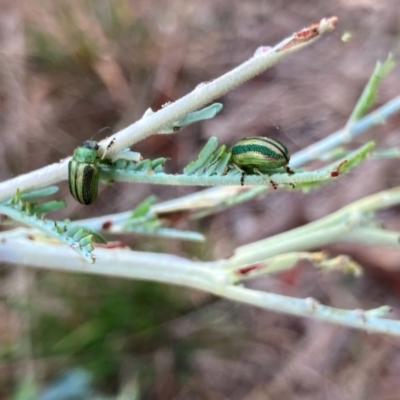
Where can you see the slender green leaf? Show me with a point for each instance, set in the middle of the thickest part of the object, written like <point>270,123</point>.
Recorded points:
<point>369,93</point>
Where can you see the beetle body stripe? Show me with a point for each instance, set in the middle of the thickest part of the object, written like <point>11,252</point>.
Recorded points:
<point>83,173</point>
<point>258,151</point>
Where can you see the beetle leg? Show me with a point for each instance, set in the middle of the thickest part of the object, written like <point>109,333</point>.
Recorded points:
<point>243,173</point>
<point>288,170</point>
<point>242,178</point>
<point>273,184</point>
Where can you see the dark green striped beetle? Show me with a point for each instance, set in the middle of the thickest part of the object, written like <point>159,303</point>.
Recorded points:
<point>259,152</point>
<point>83,173</point>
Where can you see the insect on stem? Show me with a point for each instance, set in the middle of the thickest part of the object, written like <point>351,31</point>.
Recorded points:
<point>254,152</point>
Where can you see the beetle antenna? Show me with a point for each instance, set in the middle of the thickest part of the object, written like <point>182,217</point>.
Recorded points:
<point>105,128</point>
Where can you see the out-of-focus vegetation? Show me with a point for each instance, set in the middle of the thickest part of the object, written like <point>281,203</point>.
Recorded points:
<point>69,68</point>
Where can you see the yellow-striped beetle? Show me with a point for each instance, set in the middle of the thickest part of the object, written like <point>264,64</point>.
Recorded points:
<point>83,173</point>
<point>259,152</point>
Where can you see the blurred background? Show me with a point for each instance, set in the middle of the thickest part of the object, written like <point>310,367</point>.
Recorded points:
<point>69,68</point>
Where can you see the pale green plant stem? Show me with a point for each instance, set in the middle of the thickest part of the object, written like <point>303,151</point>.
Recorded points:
<point>298,241</point>
<point>217,277</point>
<point>208,198</point>
<point>214,180</point>
<point>347,134</point>
<point>314,151</point>
<point>120,262</point>
<point>214,196</point>
<point>209,277</point>
<point>342,225</point>
<point>153,123</point>
<point>373,236</point>
<point>310,308</point>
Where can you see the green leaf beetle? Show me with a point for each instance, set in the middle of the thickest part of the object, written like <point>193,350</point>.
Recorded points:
<point>83,172</point>
<point>256,152</point>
